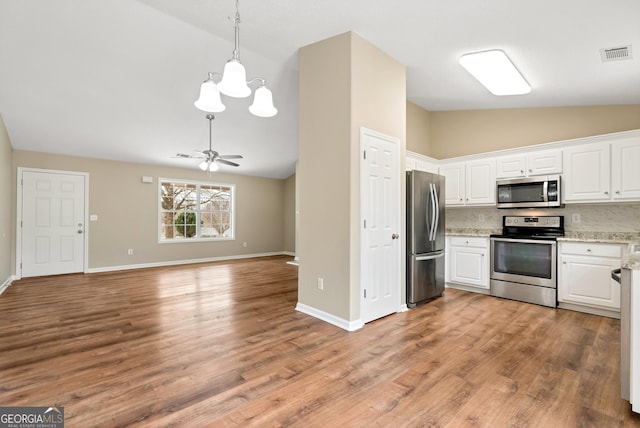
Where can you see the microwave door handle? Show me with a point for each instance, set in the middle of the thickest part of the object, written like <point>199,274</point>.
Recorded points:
<point>545,191</point>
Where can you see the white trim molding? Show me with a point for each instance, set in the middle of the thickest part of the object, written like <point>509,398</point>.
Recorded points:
<point>182,262</point>
<point>331,319</point>
<point>6,284</point>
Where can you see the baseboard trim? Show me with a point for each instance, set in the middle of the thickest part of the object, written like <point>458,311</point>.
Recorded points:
<point>182,262</point>
<point>327,317</point>
<point>589,310</point>
<point>467,288</point>
<point>6,284</point>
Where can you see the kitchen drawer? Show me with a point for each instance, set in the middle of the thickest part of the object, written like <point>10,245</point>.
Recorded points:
<point>469,241</point>
<point>591,249</point>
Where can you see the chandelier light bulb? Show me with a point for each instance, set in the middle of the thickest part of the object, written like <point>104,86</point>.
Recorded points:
<point>234,80</point>
<point>209,99</point>
<point>263,103</point>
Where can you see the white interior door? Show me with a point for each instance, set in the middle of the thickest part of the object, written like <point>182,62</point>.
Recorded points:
<point>53,223</point>
<point>380,208</point>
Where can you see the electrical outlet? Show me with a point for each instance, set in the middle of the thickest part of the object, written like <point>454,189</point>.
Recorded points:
<point>575,218</point>
<point>480,217</point>
<point>244,244</point>
<point>130,251</point>
<point>320,283</point>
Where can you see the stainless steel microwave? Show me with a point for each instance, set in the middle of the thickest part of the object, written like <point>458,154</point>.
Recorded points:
<point>530,192</point>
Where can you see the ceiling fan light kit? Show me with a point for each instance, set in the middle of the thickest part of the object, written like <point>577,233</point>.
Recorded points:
<point>208,166</point>
<point>234,84</point>
<point>210,157</point>
<point>496,72</point>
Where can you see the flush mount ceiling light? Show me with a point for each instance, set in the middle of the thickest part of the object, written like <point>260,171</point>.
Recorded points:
<point>496,72</point>
<point>234,84</point>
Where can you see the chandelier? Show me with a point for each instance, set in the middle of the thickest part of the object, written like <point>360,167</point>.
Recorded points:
<point>234,84</point>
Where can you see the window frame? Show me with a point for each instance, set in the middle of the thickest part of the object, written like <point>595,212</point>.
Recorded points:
<point>198,184</point>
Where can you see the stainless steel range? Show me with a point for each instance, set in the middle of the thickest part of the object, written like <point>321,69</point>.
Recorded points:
<point>524,259</point>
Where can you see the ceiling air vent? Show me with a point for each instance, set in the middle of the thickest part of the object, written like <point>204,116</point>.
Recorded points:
<point>616,54</point>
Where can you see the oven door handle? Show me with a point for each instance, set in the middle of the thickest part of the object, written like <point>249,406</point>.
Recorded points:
<point>551,242</point>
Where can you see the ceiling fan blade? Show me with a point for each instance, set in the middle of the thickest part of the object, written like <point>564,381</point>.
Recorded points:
<point>186,156</point>
<point>226,162</point>
<point>230,157</point>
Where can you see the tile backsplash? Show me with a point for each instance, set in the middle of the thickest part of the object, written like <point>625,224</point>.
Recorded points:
<point>592,217</point>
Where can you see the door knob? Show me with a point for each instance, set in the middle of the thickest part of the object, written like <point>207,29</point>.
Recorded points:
<point>395,236</point>
<point>80,231</point>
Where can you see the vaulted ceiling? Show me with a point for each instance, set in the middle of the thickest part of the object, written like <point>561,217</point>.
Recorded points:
<point>117,79</point>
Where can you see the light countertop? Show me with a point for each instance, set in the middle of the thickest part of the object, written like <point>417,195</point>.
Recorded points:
<point>604,237</point>
<point>468,231</point>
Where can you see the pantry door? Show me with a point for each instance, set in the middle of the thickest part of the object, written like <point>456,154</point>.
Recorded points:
<point>380,225</point>
<point>51,222</point>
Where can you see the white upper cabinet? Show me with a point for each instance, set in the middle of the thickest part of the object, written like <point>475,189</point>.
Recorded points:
<point>602,168</point>
<point>544,162</point>
<point>421,163</point>
<point>470,183</point>
<point>454,183</point>
<point>601,172</point>
<point>511,166</point>
<point>625,169</point>
<point>481,182</point>
<point>541,162</point>
<point>587,173</point>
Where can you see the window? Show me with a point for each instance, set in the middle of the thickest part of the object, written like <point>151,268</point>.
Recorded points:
<point>191,211</point>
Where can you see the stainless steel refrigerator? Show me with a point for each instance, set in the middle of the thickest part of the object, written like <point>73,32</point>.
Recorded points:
<point>425,236</point>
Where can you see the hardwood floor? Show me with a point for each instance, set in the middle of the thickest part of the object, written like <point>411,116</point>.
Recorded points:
<point>220,344</point>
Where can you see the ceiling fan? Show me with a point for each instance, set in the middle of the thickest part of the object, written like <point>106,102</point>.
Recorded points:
<point>210,157</point>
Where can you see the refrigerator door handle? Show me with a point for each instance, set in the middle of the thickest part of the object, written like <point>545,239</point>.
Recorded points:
<point>434,256</point>
<point>437,205</point>
<point>426,214</point>
<point>432,229</point>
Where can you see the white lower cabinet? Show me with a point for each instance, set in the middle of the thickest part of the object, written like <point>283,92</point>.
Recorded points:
<point>584,277</point>
<point>469,262</point>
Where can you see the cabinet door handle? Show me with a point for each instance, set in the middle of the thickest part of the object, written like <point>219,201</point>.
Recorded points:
<point>617,192</point>
<point>606,192</point>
